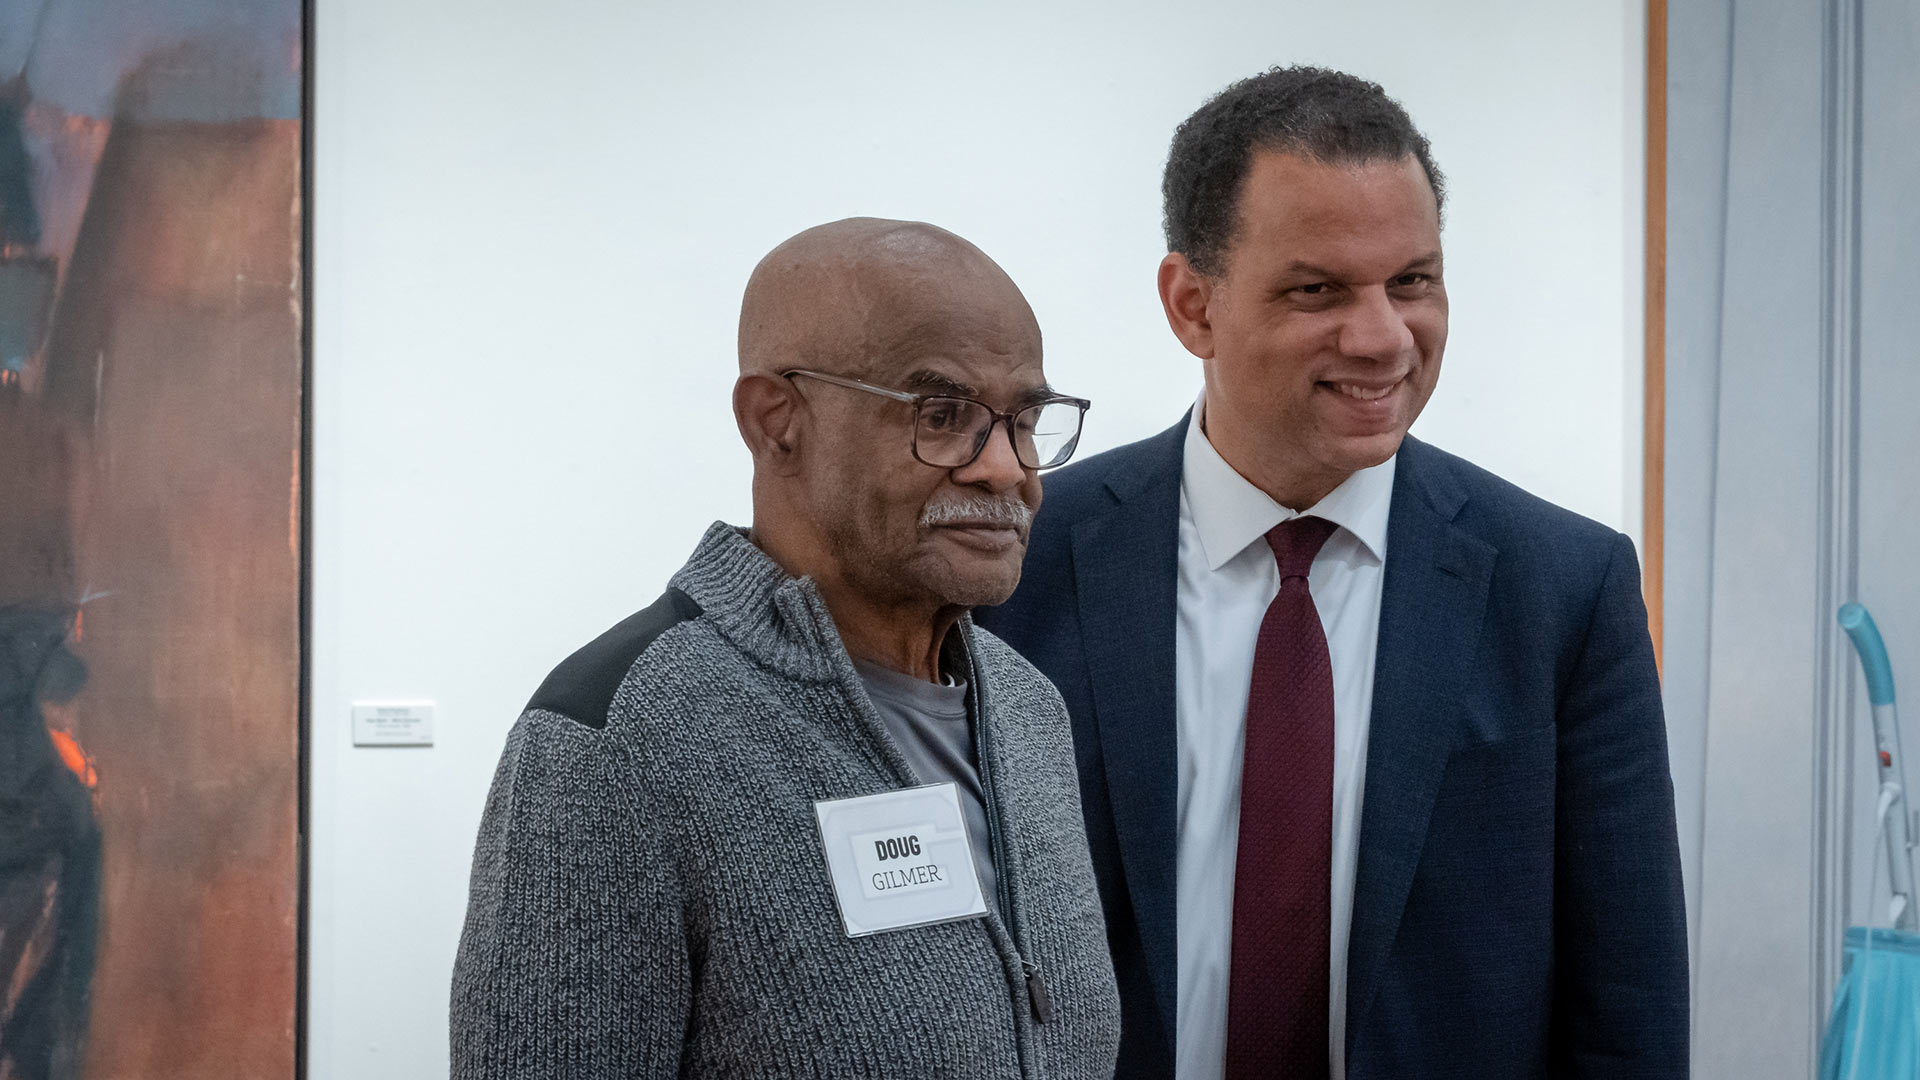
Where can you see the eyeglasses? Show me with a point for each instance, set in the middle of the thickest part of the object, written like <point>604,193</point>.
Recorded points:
<point>949,432</point>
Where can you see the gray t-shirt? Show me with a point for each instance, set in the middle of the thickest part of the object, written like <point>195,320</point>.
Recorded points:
<point>929,723</point>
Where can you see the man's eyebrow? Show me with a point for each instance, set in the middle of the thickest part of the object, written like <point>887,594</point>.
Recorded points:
<point>927,381</point>
<point>934,382</point>
<point>1297,268</point>
<point>1307,269</point>
<point>1035,396</point>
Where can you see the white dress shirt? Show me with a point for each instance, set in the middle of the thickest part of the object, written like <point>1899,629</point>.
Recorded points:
<point>1227,579</point>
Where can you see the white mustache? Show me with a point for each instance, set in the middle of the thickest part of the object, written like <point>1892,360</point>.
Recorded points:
<point>978,510</point>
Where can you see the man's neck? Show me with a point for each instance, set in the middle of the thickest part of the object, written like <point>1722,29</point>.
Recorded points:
<point>1291,488</point>
<point>907,642</point>
<point>906,637</point>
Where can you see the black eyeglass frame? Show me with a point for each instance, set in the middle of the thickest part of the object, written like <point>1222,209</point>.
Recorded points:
<point>980,442</point>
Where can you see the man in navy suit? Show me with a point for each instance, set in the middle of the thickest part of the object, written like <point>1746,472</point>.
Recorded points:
<point>1370,741</point>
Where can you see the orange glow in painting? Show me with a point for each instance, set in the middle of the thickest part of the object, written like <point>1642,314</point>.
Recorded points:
<point>74,758</point>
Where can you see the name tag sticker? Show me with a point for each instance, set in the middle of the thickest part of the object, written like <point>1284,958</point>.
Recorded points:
<point>900,859</point>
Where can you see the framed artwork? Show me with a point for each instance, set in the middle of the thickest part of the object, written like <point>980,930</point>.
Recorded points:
<point>152,524</point>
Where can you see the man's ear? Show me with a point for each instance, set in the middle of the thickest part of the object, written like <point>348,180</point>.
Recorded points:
<point>767,410</point>
<point>1185,294</point>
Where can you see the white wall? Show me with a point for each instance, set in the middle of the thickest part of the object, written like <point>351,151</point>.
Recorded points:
<point>532,224</point>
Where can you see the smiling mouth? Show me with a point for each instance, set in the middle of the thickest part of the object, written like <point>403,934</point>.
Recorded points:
<point>1363,392</point>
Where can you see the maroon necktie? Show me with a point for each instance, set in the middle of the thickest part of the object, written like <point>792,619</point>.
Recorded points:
<point>1277,989</point>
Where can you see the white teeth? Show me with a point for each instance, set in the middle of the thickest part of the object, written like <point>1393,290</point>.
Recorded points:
<point>1364,393</point>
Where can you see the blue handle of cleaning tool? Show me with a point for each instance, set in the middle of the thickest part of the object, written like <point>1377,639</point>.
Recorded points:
<point>1873,652</point>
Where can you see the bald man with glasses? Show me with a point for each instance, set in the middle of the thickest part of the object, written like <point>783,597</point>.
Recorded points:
<point>799,817</point>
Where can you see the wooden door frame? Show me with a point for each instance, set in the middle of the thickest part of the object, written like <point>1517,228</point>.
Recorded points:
<point>1654,428</point>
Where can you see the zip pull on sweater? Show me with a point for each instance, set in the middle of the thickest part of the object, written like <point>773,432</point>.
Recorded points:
<point>1037,995</point>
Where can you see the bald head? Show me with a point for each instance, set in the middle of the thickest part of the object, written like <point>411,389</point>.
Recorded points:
<point>851,295</point>
<point>843,491</point>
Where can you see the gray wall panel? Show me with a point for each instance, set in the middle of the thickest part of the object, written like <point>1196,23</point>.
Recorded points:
<point>1750,1017</point>
<point>1889,429</point>
<point>1700,36</point>
<point>1793,355</point>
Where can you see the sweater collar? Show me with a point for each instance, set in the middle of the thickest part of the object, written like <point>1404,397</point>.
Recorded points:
<point>777,619</point>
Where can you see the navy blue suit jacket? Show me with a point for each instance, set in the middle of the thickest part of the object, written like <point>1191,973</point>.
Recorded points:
<point>1517,908</point>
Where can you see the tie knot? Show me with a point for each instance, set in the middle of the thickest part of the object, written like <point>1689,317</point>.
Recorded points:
<point>1295,542</point>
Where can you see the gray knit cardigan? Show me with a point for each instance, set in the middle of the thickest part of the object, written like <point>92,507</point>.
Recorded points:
<point>649,895</point>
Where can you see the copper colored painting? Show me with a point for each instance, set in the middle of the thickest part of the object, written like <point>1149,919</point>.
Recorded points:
<point>150,439</point>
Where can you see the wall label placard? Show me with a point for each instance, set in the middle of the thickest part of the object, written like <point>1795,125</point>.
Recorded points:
<point>393,723</point>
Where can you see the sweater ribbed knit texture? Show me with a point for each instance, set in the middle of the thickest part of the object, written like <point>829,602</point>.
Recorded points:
<point>650,899</point>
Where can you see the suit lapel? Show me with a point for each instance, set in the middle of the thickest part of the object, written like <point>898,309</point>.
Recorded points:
<point>1432,602</point>
<point>1125,566</point>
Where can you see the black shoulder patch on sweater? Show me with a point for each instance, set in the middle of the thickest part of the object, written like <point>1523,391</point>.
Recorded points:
<point>582,687</point>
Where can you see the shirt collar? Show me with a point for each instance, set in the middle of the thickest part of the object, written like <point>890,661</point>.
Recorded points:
<point>1229,513</point>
